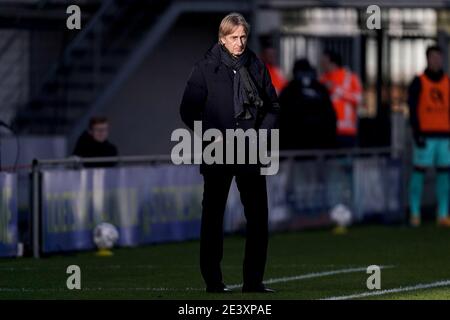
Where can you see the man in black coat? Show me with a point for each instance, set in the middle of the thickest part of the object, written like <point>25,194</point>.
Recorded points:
<point>230,88</point>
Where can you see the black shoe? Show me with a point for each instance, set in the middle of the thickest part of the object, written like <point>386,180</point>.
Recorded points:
<point>259,288</point>
<point>218,289</point>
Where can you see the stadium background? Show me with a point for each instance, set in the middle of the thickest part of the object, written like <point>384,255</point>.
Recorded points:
<point>130,62</point>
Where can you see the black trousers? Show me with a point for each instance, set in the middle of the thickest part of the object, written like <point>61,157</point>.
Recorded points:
<point>253,194</point>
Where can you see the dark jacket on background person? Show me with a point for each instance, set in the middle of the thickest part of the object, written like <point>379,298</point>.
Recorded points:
<point>414,92</point>
<point>307,117</point>
<point>209,97</point>
<point>87,147</point>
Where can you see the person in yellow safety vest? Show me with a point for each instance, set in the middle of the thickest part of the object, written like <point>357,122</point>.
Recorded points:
<point>429,106</point>
<point>346,94</point>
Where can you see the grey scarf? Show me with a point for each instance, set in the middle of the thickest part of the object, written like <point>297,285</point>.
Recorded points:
<point>245,91</point>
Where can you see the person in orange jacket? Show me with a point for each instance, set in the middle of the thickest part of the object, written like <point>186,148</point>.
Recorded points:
<point>268,56</point>
<point>346,94</point>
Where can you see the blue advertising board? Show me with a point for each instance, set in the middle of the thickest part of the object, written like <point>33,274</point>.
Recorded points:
<point>162,203</point>
<point>8,215</point>
<point>147,204</point>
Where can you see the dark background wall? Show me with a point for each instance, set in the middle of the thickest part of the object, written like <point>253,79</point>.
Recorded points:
<point>46,47</point>
<point>145,111</point>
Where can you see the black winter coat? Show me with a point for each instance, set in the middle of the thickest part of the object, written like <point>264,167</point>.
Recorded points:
<point>87,147</point>
<point>307,118</point>
<point>208,96</point>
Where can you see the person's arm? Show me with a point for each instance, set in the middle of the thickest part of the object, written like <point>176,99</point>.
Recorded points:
<point>354,92</point>
<point>271,111</point>
<point>413,102</point>
<point>194,98</point>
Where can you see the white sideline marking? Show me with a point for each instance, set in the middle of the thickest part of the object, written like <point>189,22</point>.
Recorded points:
<point>312,275</point>
<point>442,283</point>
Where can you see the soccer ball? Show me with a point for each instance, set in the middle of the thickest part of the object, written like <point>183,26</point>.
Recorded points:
<point>105,235</point>
<point>341,215</point>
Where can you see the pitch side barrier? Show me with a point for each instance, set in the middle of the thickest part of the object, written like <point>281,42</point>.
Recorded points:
<point>150,200</point>
<point>8,215</point>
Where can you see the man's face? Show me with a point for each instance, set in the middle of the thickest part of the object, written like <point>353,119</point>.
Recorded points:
<point>100,132</point>
<point>236,41</point>
<point>435,61</point>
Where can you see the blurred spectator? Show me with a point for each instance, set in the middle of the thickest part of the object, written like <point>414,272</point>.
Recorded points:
<point>428,101</point>
<point>307,117</point>
<point>94,142</point>
<point>345,90</point>
<point>269,57</point>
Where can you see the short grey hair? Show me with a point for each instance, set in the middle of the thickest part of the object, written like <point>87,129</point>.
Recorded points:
<point>230,22</point>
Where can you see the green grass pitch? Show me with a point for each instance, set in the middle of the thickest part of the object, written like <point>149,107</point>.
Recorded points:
<point>296,268</point>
